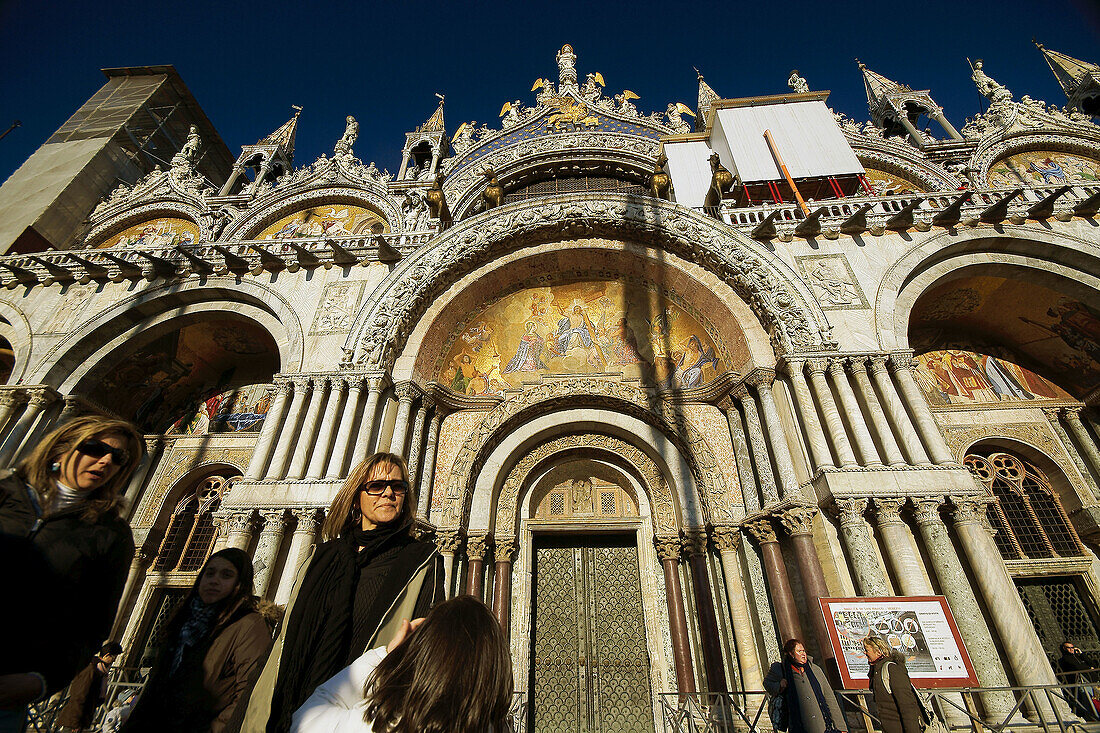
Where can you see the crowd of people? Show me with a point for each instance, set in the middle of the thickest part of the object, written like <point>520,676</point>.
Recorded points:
<point>367,641</point>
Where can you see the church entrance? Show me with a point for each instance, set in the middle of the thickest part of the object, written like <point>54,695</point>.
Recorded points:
<point>590,666</point>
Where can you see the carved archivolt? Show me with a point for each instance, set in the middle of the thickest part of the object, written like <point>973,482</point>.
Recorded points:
<point>959,439</point>
<point>1084,143</point>
<point>787,310</point>
<point>178,463</point>
<point>316,192</point>
<point>155,209</point>
<point>585,391</point>
<point>664,511</point>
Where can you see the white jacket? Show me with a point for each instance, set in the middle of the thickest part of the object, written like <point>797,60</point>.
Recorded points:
<point>338,706</point>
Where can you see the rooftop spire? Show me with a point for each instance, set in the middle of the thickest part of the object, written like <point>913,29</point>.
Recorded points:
<point>435,122</point>
<point>707,97</point>
<point>284,136</point>
<point>878,87</point>
<point>1069,72</point>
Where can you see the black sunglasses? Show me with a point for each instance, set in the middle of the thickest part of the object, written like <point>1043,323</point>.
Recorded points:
<point>377,488</point>
<point>98,449</point>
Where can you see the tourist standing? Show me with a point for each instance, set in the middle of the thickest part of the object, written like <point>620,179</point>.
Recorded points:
<point>812,706</point>
<point>899,711</point>
<point>88,689</point>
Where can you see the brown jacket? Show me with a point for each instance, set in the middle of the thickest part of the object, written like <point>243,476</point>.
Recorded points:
<point>204,700</point>
<point>898,709</point>
<point>85,695</point>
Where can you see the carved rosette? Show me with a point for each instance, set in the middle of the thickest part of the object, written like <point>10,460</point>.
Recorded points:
<point>448,540</point>
<point>798,520</point>
<point>477,547</point>
<point>851,512</point>
<point>694,542</point>
<point>761,530</point>
<point>726,539</point>
<point>505,548</point>
<point>668,547</point>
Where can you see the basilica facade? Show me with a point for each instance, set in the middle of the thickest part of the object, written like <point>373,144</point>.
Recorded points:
<point>663,380</point>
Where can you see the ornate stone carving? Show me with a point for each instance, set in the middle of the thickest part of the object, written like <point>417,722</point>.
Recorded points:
<point>309,520</point>
<point>477,546</point>
<point>927,511</point>
<point>959,439</point>
<point>505,548</point>
<point>668,547</point>
<point>406,391</point>
<point>888,511</point>
<point>726,539</point>
<point>761,530</point>
<point>240,522</point>
<point>695,541</point>
<point>851,511</point>
<point>448,540</point>
<point>344,145</point>
<point>798,520</point>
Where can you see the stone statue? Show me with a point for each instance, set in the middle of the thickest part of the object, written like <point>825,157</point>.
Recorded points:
<point>567,70</point>
<point>415,211</point>
<point>413,171</point>
<point>987,87</point>
<point>464,138</point>
<point>625,106</point>
<point>188,155</point>
<point>372,171</point>
<point>425,172</point>
<point>513,114</point>
<point>592,84</point>
<point>675,118</point>
<point>797,83</point>
<point>344,144</point>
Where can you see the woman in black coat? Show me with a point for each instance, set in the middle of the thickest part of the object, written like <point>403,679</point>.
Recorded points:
<point>352,593</point>
<point>892,690</point>
<point>66,553</point>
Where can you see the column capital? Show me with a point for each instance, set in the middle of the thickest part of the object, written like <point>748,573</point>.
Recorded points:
<point>856,363</point>
<point>851,511</point>
<point>760,378</point>
<point>10,397</point>
<point>41,397</point>
<point>376,382</point>
<point>762,530</point>
<point>741,392</point>
<point>927,510</point>
<point>239,521</point>
<point>798,520</point>
<point>143,556</point>
<point>817,365</point>
<point>879,363</point>
<point>505,549</point>
<point>901,361</point>
<point>792,366</point>
<point>309,520</point>
<point>725,403</point>
<point>152,443</point>
<point>836,368</point>
<point>220,517</point>
<point>971,511</point>
<point>888,511</point>
<point>668,546</point>
<point>338,384</point>
<point>282,386</point>
<point>406,391</point>
<point>448,540</point>
<point>274,520</point>
<point>427,400</point>
<point>477,546</point>
<point>1073,414</point>
<point>726,539</point>
<point>694,541</point>
<point>301,383</point>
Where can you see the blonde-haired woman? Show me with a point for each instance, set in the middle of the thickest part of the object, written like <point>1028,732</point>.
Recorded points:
<point>66,553</point>
<point>892,690</point>
<point>368,575</point>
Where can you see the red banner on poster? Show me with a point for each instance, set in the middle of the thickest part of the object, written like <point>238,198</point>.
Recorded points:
<point>920,627</point>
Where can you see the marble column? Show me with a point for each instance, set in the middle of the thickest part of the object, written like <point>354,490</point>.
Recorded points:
<point>749,493</point>
<point>861,548</point>
<point>1018,638</point>
<point>406,393</point>
<point>366,425</point>
<point>964,606</point>
<point>901,365</point>
<point>858,367</point>
<point>763,380</point>
<point>321,455</point>
<point>70,409</point>
<point>865,444</point>
<point>347,425</point>
<point>304,440</point>
<point>39,400</point>
<point>504,553</point>
<point>220,519</point>
<point>134,579</point>
<point>288,434</point>
<point>762,532</point>
<point>449,542</point>
<point>9,400</point>
<point>1054,416</point>
<point>304,537</point>
<point>896,413</point>
<point>239,529</point>
<point>265,442</point>
<point>427,481</point>
<point>267,548</point>
<point>807,413</point>
<point>1084,441</point>
<point>798,521</point>
<point>695,547</point>
<point>766,479</point>
<point>900,554</point>
<point>145,466</point>
<point>833,422</point>
<point>477,546</point>
<point>668,552</point>
<point>417,442</point>
<point>727,540</point>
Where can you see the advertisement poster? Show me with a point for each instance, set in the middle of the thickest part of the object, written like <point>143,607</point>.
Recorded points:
<point>920,627</point>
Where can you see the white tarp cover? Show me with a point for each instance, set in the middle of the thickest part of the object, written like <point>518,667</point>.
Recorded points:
<point>806,134</point>
<point>689,167</point>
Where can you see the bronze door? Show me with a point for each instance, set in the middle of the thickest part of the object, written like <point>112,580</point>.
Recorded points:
<point>590,666</point>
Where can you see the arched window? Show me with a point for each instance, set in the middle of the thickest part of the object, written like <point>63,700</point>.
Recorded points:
<point>190,533</point>
<point>1027,514</point>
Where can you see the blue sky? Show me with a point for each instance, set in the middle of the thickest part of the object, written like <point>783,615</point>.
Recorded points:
<point>247,62</point>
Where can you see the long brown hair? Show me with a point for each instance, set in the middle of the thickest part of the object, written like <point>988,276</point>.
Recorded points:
<point>35,469</point>
<point>344,514</point>
<point>452,675</point>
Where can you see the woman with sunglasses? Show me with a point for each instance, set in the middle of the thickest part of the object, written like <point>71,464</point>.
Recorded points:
<point>66,552</point>
<point>352,593</point>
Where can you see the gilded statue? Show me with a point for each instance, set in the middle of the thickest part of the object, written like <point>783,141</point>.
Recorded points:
<point>721,181</point>
<point>437,202</point>
<point>659,182</point>
<point>493,195</point>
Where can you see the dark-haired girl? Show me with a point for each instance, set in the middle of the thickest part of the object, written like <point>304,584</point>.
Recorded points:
<point>66,552</point>
<point>414,684</point>
<point>213,646</point>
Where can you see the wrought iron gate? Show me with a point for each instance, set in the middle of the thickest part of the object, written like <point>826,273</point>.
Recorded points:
<point>1060,613</point>
<point>590,669</point>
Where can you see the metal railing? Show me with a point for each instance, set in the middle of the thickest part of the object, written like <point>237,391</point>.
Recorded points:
<point>1065,708</point>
